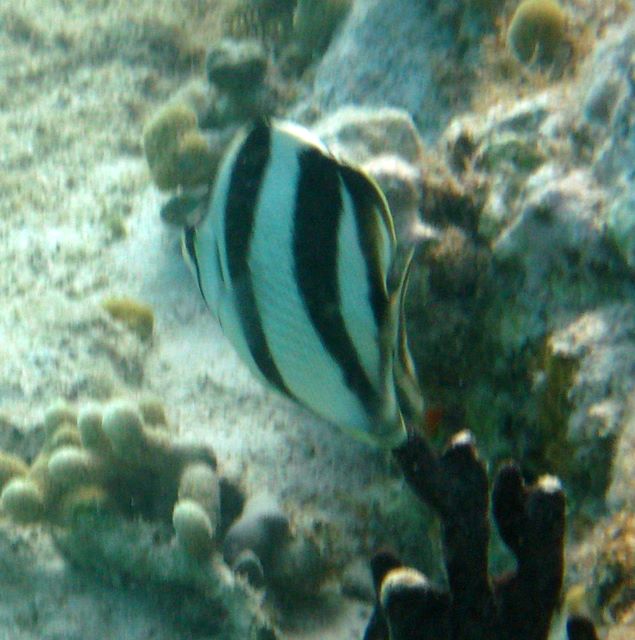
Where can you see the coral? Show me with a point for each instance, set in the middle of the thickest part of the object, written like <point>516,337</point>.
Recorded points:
<point>262,527</point>
<point>530,520</point>
<point>448,290</point>
<point>184,141</point>
<point>24,500</point>
<point>386,144</point>
<point>184,209</point>
<point>314,23</point>
<point>239,70</point>
<point>262,545</point>
<point>109,484</point>
<point>194,529</point>
<point>136,466</point>
<point>269,21</point>
<point>613,579</point>
<point>620,227</point>
<point>177,153</point>
<point>297,29</point>
<point>524,155</point>
<point>10,466</point>
<point>536,31</point>
<point>581,389</point>
<point>117,491</point>
<point>236,65</point>
<point>138,317</point>
<point>555,245</point>
<point>152,411</point>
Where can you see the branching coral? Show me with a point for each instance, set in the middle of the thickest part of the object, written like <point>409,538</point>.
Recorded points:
<point>123,500</point>
<point>107,483</point>
<point>530,519</point>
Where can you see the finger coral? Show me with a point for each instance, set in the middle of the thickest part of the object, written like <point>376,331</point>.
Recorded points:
<point>530,519</point>
<point>124,500</point>
<point>110,484</point>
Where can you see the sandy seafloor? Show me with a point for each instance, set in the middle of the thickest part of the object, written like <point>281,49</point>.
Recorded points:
<point>77,82</point>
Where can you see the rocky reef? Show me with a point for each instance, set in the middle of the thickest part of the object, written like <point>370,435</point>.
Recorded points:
<point>519,316</point>
<point>505,125</point>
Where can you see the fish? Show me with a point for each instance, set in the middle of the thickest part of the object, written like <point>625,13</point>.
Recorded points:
<point>296,257</point>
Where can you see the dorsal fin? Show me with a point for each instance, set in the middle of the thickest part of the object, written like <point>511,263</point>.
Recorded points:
<point>409,393</point>
<point>410,397</point>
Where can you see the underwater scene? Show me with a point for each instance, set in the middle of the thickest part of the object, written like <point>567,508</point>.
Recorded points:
<point>318,320</point>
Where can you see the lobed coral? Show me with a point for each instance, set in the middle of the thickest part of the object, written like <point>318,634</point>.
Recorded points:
<point>530,519</point>
<point>184,141</point>
<point>262,546</point>
<point>240,73</point>
<point>117,492</point>
<point>296,31</point>
<point>135,315</point>
<point>537,31</point>
<point>177,153</point>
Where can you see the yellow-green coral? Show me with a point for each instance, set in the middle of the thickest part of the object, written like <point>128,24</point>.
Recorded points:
<point>138,317</point>
<point>28,497</point>
<point>85,499</point>
<point>199,483</point>
<point>110,451</point>
<point>69,467</point>
<point>58,415</point>
<point>10,466</point>
<point>176,151</point>
<point>537,30</point>
<point>123,426</point>
<point>193,529</point>
<point>152,411</point>
<point>110,486</point>
<point>23,500</point>
<point>91,434</point>
<point>117,493</point>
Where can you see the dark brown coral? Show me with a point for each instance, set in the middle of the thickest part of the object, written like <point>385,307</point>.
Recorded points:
<point>531,521</point>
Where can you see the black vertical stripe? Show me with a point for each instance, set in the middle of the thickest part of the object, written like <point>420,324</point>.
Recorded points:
<point>369,208</point>
<point>315,236</point>
<point>240,211</point>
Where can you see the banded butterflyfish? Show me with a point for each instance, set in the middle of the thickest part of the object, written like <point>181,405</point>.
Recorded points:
<point>295,254</point>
